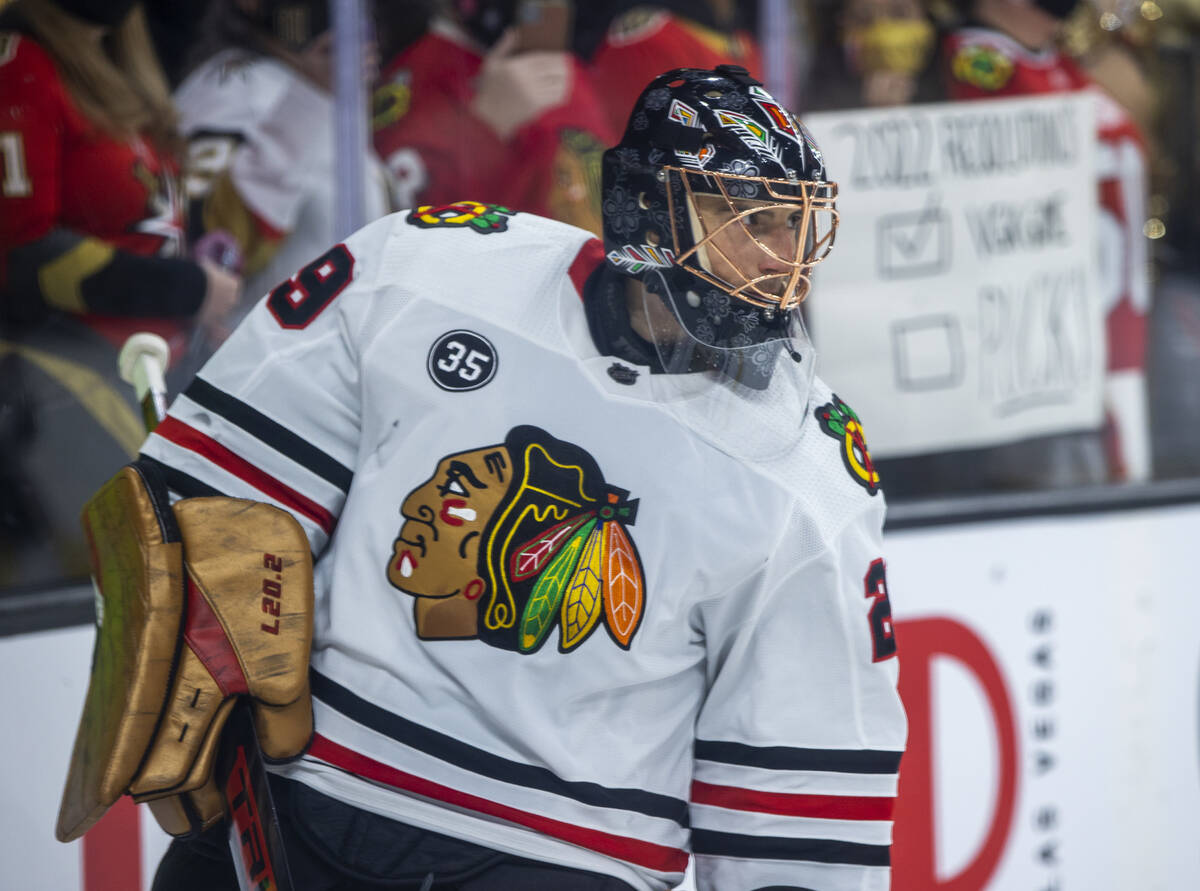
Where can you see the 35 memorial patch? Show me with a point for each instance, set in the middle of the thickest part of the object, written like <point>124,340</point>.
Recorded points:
<point>462,360</point>
<point>838,420</point>
<point>482,218</point>
<point>505,542</point>
<point>984,67</point>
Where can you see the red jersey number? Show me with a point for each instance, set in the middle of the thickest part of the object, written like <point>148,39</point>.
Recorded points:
<point>297,301</point>
<point>883,636</point>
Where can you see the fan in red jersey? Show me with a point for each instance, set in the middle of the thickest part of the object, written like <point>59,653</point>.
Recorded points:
<point>90,217</point>
<point>90,251</point>
<point>1008,48</point>
<point>643,39</point>
<point>489,104</point>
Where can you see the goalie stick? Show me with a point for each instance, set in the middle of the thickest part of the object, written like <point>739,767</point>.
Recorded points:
<point>255,839</point>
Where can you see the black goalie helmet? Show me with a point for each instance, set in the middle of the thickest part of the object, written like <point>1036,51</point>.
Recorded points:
<point>717,199</point>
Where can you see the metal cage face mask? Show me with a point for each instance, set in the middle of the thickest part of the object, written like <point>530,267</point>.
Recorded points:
<point>716,202</point>
<point>717,199</point>
<point>753,237</point>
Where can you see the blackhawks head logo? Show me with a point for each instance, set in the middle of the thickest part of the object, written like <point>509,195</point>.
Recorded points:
<point>982,66</point>
<point>839,421</point>
<point>507,542</point>
<point>482,218</point>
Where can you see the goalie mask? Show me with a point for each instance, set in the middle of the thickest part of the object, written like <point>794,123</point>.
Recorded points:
<point>717,200</point>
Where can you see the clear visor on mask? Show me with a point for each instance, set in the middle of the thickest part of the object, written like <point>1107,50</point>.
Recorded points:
<point>739,376</point>
<point>755,238</point>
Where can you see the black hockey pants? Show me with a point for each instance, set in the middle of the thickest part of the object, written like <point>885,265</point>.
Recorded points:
<point>335,847</point>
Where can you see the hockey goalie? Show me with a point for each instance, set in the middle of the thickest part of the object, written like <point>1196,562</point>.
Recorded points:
<point>598,584</point>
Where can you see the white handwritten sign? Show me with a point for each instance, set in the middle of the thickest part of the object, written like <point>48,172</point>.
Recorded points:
<point>960,306</point>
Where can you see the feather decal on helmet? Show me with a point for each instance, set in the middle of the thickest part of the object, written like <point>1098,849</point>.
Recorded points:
<point>756,137</point>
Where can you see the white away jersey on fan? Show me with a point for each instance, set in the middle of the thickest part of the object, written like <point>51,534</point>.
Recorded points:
<point>686,654</point>
<point>273,130</point>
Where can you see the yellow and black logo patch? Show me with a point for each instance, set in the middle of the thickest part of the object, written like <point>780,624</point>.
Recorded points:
<point>637,24</point>
<point>390,103</point>
<point>984,67</point>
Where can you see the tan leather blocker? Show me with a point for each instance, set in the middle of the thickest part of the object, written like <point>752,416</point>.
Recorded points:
<point>185,627</point>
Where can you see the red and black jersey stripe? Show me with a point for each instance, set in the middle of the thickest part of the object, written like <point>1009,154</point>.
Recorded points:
<point>468,757</point>
<point>270,432</point>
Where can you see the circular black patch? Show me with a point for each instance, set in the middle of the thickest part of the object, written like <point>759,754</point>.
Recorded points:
<point>462,360</point>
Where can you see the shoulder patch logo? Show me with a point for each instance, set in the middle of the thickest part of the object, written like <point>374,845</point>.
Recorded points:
<point>838,420</point>
<point>391,101</point>
<point>462,360</point>
<point>637,24</point>
<point>984,67</point>
<point>482,218</point>
<point>504,542</point>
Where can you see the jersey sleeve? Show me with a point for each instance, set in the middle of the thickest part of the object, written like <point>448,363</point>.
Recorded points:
<point>799,741</point>
<point>274,416</point>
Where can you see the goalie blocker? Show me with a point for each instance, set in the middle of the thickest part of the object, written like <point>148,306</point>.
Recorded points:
<point>197,604</point>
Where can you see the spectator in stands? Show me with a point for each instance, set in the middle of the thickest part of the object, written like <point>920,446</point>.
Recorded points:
<point>627,43</point>
<point>1009,48</point>
<point>487,107</point>
<point>872,53</point>
<point>258,116</point>
<point>888,43</point>
<point>91,244</point>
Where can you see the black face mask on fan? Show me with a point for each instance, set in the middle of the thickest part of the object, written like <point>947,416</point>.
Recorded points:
<point>108,13</point>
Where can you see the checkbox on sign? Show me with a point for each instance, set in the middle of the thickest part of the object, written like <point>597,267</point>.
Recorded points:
<point>927,353</point>
<point>912,244</point>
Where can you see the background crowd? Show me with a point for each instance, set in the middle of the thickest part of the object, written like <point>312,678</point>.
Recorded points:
<point>164,164</point>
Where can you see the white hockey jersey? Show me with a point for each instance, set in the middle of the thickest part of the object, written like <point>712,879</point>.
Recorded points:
<point>261,120</point>
<point>551,619</point>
